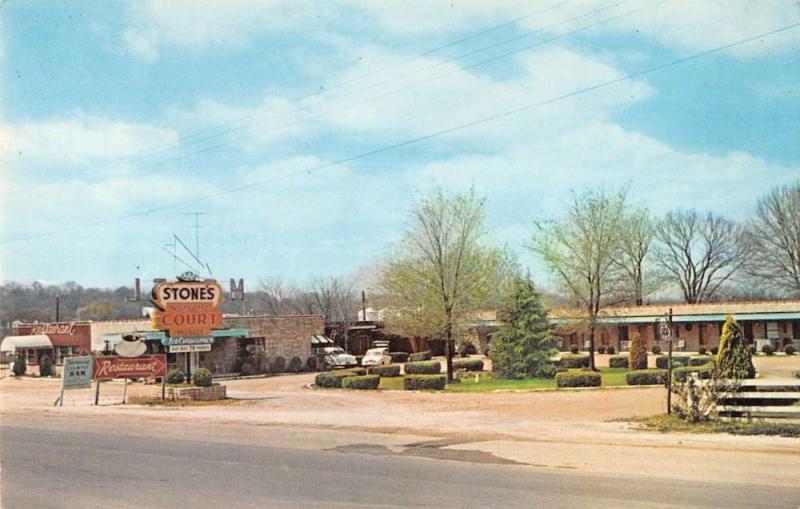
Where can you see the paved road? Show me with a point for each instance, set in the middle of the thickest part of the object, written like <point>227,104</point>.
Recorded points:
<point>44,468</point>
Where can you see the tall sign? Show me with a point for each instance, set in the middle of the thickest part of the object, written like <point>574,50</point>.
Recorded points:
<point>187,308</point>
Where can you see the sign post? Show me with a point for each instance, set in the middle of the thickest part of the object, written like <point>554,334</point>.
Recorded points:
<point>665,331</point>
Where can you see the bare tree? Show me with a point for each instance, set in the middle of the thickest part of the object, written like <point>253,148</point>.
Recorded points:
<point>442,269</point>
<point>699,252</point>
<point>277,298</point>
<point>582,251</point>
<point>773,237</point>
<point>636,237</point>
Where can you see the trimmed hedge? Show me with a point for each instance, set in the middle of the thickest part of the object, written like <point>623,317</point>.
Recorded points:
<point>399,357</point>
<point>700,360</point>
<point>363,383</point>
<point>311,363</point>
<point>574,349</point>
<point>702,350</point>
<point>332,379</point>
<point>601,349</point>
<point>618,361</point>
<point>295,364</point>
<point>423,368</point>
<point>574,361</point>
<point>656,350</point>
<point>610,350</point>
<point>662,362</point>
<point>387,371</point>
<point>468,364</point>
<point>202,378</point>
<point>703,372</point>
<point>767,349</point>
<point>714,350</point>
<point>420,356</point>
<point>578,379</point>
<point>247,369</point>
<point>46,366</point>
<point>424,382</point>
<point>175,376</point>
<point>789,350</point>
<point>357,371</point>
<point>646,377</point>
<point>278,365</point>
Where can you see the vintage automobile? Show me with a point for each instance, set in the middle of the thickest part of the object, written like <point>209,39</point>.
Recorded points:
<point>336,357</point>
<point>376,357</point>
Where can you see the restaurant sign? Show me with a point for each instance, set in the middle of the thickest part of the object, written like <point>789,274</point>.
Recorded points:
<point>62,329</point>
<point>146,366</point>
<point>187,308</point>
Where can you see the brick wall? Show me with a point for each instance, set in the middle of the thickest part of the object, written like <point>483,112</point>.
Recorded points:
<point>222,358</point>
<point>286,335</point>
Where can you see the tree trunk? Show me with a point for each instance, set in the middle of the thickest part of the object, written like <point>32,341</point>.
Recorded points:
<point>449,351</point>
<point>591,346</point>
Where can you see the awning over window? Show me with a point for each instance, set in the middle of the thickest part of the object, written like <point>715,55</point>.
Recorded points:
<point>12,343</point>
<point>318,339</point>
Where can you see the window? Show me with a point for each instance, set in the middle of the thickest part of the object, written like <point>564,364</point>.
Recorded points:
<point>701,331</point>
<point>623,332</point>
<point>677,330</point>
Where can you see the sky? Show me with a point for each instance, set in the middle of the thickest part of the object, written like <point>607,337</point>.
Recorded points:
<point>301,132</point>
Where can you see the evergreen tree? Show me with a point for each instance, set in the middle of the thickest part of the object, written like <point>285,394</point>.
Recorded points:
<point>637,357</point>
<point>734,359</point>
<point>524,346</point>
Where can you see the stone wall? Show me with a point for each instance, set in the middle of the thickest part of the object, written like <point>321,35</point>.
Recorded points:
<point>286,335</point>
<point>213,393</point>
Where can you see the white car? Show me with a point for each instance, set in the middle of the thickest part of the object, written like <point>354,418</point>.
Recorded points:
<point>336,357</point>
<point>376,357</point>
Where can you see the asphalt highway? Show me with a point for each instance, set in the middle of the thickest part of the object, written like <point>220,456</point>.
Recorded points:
<point>52,468</point>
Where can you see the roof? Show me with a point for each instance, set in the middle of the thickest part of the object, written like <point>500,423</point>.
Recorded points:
<point>12,343</point>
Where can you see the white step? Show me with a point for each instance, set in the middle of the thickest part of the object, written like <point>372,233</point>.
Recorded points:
<point>761,395</point>
<point>761,410</point>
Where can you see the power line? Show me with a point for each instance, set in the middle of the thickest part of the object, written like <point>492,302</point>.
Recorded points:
<point>419,139</point>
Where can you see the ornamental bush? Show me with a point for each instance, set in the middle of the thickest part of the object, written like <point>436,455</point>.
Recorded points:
<point>570,361</point>
<point>618,361</point>
<point>702,350</point>
<point>364,383</point>
<point>247,369</point>
<point>646,377</point>
<point>733,359</point>
<point>175,376</point>
<point>574,349</point>
<point>789,350</point>
<point>656,350</point>
<point>704,372</point>
<point>332,379</point>
<point>295,364</point>
<point>420,356</point>
<point>20,366</point>
<point>399,357</point>
<point>601,349</point>
<point>387,371</point>
<point>662,361</point>
<point>202,378</point>
<point>278,365</point>
<point>637,356</point>
<point>700,360</point>
<point>714,350</point>
<point>46,366</point>
<point>358,371</point>
<point>578,379</point>
<point>610,350</point>
<point>423,368</point>
<point>767,349</point>
<point>468,364</point>
<point>424,382</point>
<point>311,363</point>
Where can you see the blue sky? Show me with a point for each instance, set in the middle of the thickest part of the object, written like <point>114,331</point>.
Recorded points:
<point>118,120</point>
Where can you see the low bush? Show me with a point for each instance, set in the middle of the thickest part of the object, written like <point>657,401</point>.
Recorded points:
<point>332,379</point>
<point>752,349</point>
<point>175,376</point>
<point>714,350</point>
<point>789,350</point>
<point>601,349</point>
<point>420,356</point>
<point>468,364</point>
<point>656,350</point>
<point>358,371</point>
<point>423,368</point>
<point>295,364</point>
<point>359,358</point>
<point>574,361</point>
<point>662,362</point>
<point>278,365</point>
<point>247,369</point>
<point>702,350</point>
<point>202,378</point>
<point>387,371</point>
<point>767,349</point>
<point>646,377</point>
<point>46,366</point>
<point>424,382</point>
<point>610,350</point>
<point>364,383</point>
<point>398,357</point>
<point>618,361</point>
<point>574,349</point>
<point>700,360</point>
<point>703,372</point>
<point>311,363</point>
<point>578,379</point>
<point>20,366</point>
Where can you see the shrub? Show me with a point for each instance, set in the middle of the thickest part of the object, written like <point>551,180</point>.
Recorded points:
<point>264,365</point>
<point>714,350</point>
<point>789,350</point>
<point>578,379</point>
<point>702,350</point>
<point>359,358</point>
<point>700,360</point>
<point>704,372</point>
<point>733,359</point>
<point>424,382</point>
<point>574,349</point>
<point>398,356</point>
<point>387,371</point>
<point>646,377</point>
<point>279,365</point>
<point>45,366</point>
<point>467,348</point>
<point>296,364</point>
<point>656,350</point>
<point>662,361</point>
<point>332,379</point>
<point>601,349</point>
<point>175,376</point>
<point>202,378</point>
<point>420,356</point>
<point>20,366</point>
<point>767,349</point>
<point>610,350</point>
<point>357,371</point>
<point>637,357</point>
<point>366,382</point>
<point>311,363</point>
<point>751,349</point>
<point>468,364</point>
<point>618,361</point>
<point>247,369</point>
<point>423,368</point>
<point>574,361</point>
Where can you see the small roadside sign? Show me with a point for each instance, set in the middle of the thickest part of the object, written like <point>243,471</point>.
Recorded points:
<point>77,372</point>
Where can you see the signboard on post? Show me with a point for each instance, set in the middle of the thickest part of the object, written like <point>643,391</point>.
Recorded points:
<point>188,348</point>
<point>76,374</point>
<point>187,308</point>
<point>146,366</point>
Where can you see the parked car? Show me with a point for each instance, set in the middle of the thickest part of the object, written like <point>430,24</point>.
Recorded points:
<point>376,357</point>
<point>336,357</point>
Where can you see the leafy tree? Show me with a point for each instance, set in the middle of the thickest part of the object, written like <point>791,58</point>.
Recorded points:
<point>523,347</point>
<point>734,359</point>
<point>101,310</point>
<point>637,357</point>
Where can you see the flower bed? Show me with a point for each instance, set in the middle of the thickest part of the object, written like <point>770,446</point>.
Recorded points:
<point>211,393</point>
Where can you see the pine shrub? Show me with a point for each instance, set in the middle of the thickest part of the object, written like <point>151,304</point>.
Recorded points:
<point>646,377</point>
<point>391,370</point>
<point>423,368</point>
<point>637,356</point>
<point>202,378</point>
<point>578,379</point>
<point>618,361</point>
<point>734,360</point>
<point>366,382</point>
<point>424,382</point>
<point>420,356</point>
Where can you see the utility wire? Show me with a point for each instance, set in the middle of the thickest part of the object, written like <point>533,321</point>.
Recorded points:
<point>419,139</point>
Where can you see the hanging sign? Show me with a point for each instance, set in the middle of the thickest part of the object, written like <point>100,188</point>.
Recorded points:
<point>188,348</point>
<point>187,308</point>
<point>146,366</point>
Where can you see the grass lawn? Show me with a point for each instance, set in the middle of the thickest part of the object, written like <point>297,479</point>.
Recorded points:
<point>671,423</point>
<point>613,376</point>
